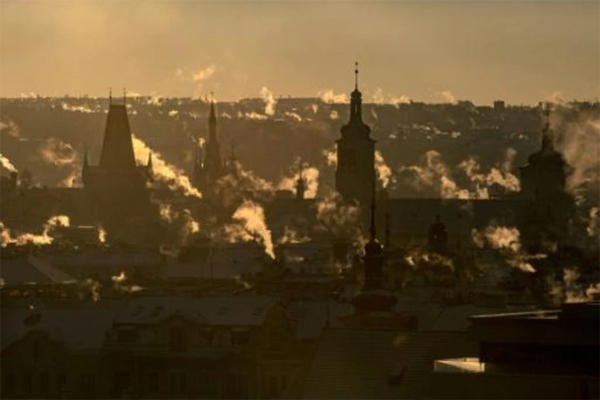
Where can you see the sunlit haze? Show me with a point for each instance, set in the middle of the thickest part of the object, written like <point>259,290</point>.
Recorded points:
<point>519,51</point>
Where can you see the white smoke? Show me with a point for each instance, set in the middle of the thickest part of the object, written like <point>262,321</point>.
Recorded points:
<point>378,96</point>
<point>340,219</point>
<point>255,116</point>
<point>397,100</point>
<point>5,162</point>
<point>82,109</point>
<point>447,97</point>
<point>174,177</point>
<point>201,75</point>
<point>269,100</point>
<point>10,128</point>
<point>384,172</point>
<point>309,174</point>
<point>328,96</point>
<point>45,237</point>
<point>331,156</point>
<point>507,240</point>
<point>62,155</point>
<point>252,218</point>
<point>292,236</point>
<point>294,115</point>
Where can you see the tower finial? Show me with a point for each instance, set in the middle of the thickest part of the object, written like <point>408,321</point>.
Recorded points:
<point>110,95</point>
<point>356,75</point>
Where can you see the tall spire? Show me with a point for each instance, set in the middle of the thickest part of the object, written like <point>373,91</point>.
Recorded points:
<point>124,97</point>
<point>109,96</point>
<point>547,139</point>
<point>356,99</point>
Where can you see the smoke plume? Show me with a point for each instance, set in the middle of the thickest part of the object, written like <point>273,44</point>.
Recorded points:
<point>269,99</point>
<point>7,164</point>
<point>252,218</point>
<point>174,177</point>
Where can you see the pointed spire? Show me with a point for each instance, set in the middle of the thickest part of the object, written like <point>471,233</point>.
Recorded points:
<point>109,96</point>
<point>124,97</point>
<point>356,75</point>
<point>149,165</point>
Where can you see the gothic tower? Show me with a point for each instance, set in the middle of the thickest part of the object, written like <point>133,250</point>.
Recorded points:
<point>207,174</point>
<point>117,186</point>
<point>355,174</point>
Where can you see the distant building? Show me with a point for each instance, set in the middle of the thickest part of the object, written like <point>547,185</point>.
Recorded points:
<point>355,174</point>
<point>117,186</point>
<point>499,105</point>
<point>551,354</point>
<point>547,208</point>
<point>208,171</point>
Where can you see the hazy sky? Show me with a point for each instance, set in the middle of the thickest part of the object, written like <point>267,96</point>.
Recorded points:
<point>520,51</point>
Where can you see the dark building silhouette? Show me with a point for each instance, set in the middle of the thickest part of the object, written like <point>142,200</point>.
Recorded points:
<point>543,354</point>
<point>355,174</point>
<point>547,207</point>
<point>300,185</point>
<point>438,235</point>
<point>117,186</point>
<point>208,171</point>
<point>372,297</point>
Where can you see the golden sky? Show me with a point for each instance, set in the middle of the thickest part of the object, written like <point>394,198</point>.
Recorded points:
<point>481,50</point>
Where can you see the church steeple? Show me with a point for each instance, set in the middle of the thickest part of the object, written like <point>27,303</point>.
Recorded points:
<point>356,99</point>
<point>355,172</point>
<point>373,254</point>
<point>547,134</point>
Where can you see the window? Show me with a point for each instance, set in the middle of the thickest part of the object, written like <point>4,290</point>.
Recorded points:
<point>178,338</point>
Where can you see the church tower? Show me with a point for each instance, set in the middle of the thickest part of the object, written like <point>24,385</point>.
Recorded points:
<point>355,174</point>
<point>546,205</point>
<point>207,174</point>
